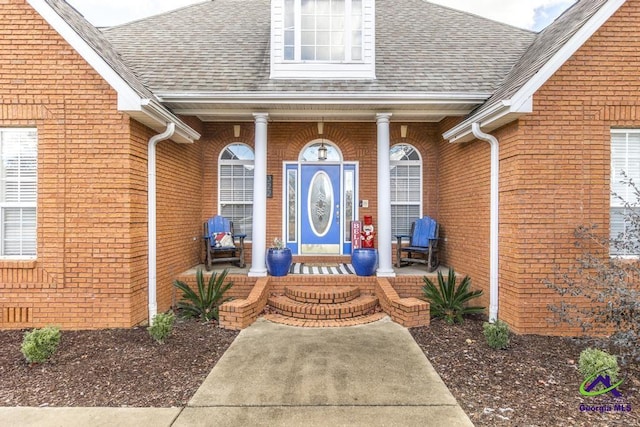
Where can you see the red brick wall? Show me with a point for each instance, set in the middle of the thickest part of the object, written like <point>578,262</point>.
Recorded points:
<point>565,148</point>
<point>179,192</point>
<point>554,175</point>
<point>81,278</point>
<point>91,266</point>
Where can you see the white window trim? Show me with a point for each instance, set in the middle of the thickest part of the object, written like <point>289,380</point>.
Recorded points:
<point>612,205</point>
<point>315,70</point>
<point>33,205</point>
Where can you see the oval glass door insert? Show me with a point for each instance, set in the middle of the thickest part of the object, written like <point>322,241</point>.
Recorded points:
<point>320,203</point>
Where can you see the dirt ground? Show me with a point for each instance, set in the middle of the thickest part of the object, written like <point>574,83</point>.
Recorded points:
<point>534,382</point>
<point>113,367</point>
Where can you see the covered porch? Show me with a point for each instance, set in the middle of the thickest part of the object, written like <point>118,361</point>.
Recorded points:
<point>381,161</point>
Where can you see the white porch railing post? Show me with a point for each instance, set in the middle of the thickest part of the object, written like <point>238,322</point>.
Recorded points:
<point>259,238</point>
<point>385,265</point>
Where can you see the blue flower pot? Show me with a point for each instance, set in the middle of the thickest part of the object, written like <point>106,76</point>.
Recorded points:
<point>364,261</point>
<point>278,261</point>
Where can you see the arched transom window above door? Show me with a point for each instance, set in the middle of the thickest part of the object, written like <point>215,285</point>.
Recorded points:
<point>235,186</point>
<point>312,152</point>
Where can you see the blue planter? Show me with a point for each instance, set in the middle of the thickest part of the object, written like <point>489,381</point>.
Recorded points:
<point>364,261</point>
<point>278,261</point>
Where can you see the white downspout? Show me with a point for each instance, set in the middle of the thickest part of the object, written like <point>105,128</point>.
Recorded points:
<point>494,222</point>
<point>152,213</point>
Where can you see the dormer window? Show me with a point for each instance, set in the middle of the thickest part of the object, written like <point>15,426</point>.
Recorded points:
<point>323,39</point>
<point>323,30</point>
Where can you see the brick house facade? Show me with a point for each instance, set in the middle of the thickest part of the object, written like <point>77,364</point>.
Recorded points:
<point>92,263</point>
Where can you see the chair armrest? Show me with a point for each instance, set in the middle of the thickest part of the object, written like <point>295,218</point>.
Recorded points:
<point>239,236</point>
<point>399,238</point>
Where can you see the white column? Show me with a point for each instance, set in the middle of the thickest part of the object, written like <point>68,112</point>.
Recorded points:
<point>385,265</point>
<point>259,238</point>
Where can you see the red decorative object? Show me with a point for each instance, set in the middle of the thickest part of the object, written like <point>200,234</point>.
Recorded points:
<point>368,234</point>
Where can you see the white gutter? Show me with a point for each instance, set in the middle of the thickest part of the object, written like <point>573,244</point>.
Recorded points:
<point>333,97</point>
<point>152,213</point>
<point>494,220</point>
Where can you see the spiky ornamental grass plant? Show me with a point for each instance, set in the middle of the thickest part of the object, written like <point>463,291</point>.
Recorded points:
<point>205,302</point>
<point>601,292</point>
<point>448,300</point>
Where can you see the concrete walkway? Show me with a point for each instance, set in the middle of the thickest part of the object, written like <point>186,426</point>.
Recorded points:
<point>275,375</point>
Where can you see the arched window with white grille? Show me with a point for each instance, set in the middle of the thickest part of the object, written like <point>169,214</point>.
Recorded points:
<point>235,186</point>
<point>406,187</point>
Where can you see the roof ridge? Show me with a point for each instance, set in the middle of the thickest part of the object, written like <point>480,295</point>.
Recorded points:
<point>168,12</point>
<point>464,12</point>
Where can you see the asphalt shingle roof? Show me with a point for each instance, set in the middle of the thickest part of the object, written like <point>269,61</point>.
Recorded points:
<point>544,47</point>
<point>223,45</point>
<point>96,39</point>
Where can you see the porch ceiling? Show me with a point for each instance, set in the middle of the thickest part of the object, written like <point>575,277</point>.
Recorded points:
<point>311,107</point>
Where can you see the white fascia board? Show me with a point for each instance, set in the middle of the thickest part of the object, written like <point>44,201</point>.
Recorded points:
<point>310,71</point>
<point>128,99</point>
<point>311,98</point>
<point>155,110</point>
<point>522,101</point>
<point>501,113</point>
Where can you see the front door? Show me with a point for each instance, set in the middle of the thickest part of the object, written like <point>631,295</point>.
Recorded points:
<point>320,209</point>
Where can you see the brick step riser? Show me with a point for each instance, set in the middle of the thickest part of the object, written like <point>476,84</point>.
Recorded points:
<point>322,296</point>
<point>323,311</point>
<point>334,323</point>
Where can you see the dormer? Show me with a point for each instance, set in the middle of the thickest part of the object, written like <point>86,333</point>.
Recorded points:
<point>323,39</point>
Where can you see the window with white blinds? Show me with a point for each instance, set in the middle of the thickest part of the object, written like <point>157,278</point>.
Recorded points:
<point>406,187</point>
<point>18,198</point>
<point>625,160</point>
<point>235,187</point>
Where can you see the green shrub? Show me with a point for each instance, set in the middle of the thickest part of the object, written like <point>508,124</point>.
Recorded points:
<point>205,302</point>
<point>594,362</point>
<point>40,344</point>
<point>161,326</point>
<point>496,334</point>
<point>449,300</point>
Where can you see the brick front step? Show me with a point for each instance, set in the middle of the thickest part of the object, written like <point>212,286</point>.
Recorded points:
<point>324,295</point>
<point>359,306</point>
<point>330,323</point>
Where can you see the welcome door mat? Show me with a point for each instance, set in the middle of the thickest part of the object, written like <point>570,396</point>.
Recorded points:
<point>321,268</point>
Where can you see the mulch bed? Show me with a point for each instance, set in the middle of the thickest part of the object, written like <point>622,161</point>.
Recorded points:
<point>534,382</point>
<point>113,367</point>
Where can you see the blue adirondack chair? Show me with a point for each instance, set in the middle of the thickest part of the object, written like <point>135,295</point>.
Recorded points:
<point>221,243</point>
<point>423,244</point>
